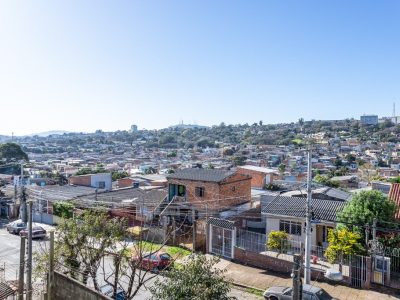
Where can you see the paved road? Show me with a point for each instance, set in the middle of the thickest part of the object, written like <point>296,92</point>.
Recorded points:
<point>9,250</point>
<point>9,259</point>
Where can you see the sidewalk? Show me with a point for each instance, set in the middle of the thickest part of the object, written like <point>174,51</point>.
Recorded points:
<point>262,279</point>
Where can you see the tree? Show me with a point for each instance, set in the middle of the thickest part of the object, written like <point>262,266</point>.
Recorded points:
<point>277,241</point>
<point>199,279</point>
<point>63,209</point>
<point>282,169</point>
<point>12,151</point>
<point>364,207</point>
<point>342,242</point>
<point>239,160</point>
<point>115,175</point>
<point>325,180</point>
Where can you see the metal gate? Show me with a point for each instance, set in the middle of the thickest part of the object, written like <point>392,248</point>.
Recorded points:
<point>358,270</point>
<point>222,236</point>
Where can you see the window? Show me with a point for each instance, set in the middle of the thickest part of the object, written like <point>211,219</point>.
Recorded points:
<point>199,191</point>
<point>290,227</point>
<point>101,184</point>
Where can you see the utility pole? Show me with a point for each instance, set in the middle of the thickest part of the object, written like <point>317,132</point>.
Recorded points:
<point>374,230</point>
<point>307,257</point>
<point>173,230</point>
<point>297,283</point>
<point>194,229</point>
<point>29,262</point>
<point>21,269</point>
<point>51,270</point>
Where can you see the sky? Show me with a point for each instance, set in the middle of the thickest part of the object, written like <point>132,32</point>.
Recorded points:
<point>87,65</point>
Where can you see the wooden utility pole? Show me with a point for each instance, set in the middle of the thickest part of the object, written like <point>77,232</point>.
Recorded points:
<point>297,283</point>
<point>51,269</point>
<point>173,230</point>
<point>29,261</point>
<point>194,229</point>
<point>21,269</point>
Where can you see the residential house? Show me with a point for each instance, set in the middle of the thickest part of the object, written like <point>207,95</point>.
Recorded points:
<point>99,180</point>
<point>213,189</point>
<point>288,214</point>
<point>260,176</point>
<point>394,195</point>
<point>347,181</point>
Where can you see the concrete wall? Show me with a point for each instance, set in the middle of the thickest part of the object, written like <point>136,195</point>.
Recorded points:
<point>92,180</point>
<point>101,177</point>
<point>67,288</point>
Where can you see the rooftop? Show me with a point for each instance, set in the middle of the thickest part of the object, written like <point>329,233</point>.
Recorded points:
<point>211,175</point>
<point>296,207</point>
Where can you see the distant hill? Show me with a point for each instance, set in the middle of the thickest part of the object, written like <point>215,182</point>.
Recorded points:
<point>187,126</point>
<point>47,133</point>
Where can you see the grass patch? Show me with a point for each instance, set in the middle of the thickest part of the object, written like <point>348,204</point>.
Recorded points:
<point>175,252</point>
<point>253,291</point>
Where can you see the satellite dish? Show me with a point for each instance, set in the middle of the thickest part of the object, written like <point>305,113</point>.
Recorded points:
<point>334,275</point>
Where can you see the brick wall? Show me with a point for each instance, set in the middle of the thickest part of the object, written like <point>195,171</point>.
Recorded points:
<point>83,180</point>
<point>67,288</point>
<point>271,263</point>
<point>257,178</point>
<point>125,182</point>
<point>262,261</point>
<point>235,190</point>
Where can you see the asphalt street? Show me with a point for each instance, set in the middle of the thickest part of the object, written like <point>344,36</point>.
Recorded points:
<point>9,262</point>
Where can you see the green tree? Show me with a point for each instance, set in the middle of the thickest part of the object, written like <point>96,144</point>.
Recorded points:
<point>325,180</point>
<point>115,175</point>
<point>277,241</point>
<point>342,242</point>
<point>63,209</point>
<point>282,169</point>
<point>239,160</point>
<point>364,207</point>
<point>12,151</point>
<point>196,280</point>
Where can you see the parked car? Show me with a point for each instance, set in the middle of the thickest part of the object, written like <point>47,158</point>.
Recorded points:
<point>285,293</point>
<point>38,232</point>
<point>108,291</point>
<point>155,262</point>
<point>16,226</point>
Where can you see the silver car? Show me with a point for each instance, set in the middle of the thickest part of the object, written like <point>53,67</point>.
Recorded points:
<point>285,293</point>
<point>16,227</point>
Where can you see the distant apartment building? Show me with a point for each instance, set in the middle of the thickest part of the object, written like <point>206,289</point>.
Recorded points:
<point>100,181</point>
<point>369,119</point>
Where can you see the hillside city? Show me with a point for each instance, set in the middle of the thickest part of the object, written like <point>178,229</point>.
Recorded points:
<point>148,213</point>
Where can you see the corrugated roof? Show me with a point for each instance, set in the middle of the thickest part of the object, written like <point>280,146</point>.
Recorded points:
<point>394,195</point>
<point>211,175</point>
<point>325,210</point>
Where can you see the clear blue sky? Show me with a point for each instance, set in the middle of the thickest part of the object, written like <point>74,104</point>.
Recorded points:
<point>87,65</point>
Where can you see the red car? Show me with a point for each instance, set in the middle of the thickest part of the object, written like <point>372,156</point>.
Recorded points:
<point>38,232</point>
<point>155,262</point>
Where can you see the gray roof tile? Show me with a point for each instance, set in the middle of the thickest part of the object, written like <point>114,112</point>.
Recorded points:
<point>211,175</point>
<point>296,207</point>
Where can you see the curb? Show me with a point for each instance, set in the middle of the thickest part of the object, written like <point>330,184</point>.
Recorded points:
<point>246,286</point>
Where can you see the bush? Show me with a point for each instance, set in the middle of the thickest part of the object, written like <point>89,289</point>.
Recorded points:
<point>277,241</point>
<point>63,209</point>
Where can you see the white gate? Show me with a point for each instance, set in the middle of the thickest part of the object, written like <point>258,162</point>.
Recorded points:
<point>222,237</point>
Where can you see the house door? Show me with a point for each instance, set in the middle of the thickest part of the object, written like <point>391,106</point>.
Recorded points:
<point>221,237</point>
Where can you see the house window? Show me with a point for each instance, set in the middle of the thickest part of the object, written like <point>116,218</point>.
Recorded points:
<point>199,191</point>
<point>101,184</point>
<point>181,190</point>
<point>290,227</point>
